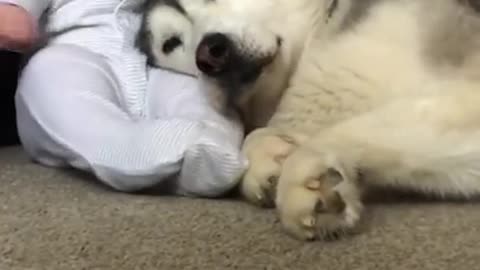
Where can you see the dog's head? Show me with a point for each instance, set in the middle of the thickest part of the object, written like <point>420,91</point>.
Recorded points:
<point>244,59</point>
<point>240,48</point>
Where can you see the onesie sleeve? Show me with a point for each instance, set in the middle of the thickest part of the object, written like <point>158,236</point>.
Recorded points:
<point>35,7</point>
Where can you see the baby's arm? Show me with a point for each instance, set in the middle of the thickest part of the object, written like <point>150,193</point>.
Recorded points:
<point>18,22</point>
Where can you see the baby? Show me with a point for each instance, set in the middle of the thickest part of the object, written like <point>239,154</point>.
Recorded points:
<point>89,101</point>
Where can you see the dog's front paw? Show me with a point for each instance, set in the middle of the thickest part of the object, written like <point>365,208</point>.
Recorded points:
<point>317,196</point>
<point>266,150</point>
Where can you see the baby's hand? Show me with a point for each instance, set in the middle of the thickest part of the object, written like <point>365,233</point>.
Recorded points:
<point>17,28</point>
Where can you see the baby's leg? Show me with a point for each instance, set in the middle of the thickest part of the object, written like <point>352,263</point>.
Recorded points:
<point>70,114</point>
<point>215,155</point>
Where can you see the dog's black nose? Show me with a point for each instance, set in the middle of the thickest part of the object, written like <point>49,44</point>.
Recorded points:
<point>213,54</point>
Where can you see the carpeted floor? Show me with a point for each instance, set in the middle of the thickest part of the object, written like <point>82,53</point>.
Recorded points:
<point>51,220</point>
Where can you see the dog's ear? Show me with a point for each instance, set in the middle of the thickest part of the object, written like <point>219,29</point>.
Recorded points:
<point>143,40</point>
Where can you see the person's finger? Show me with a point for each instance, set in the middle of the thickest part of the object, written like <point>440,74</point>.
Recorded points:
<point>17,31</point>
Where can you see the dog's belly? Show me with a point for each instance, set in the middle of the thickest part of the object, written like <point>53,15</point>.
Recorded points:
<point>384,58</point>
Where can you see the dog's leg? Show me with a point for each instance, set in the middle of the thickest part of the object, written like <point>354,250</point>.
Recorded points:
<point>265,149</point>
<point>430,144</point>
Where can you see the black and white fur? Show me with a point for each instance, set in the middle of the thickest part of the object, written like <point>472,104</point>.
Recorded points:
<point>345,94</point>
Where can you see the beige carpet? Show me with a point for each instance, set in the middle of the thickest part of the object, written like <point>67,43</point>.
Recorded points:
<point>52,220</point>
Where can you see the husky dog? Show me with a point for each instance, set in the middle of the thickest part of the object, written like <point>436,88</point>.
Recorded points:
<point>339,95</point>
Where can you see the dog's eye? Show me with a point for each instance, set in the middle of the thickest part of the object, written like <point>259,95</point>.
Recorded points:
<point>171,44</point>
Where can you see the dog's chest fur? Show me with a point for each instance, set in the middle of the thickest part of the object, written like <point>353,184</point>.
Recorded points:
<point>379,51</point>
